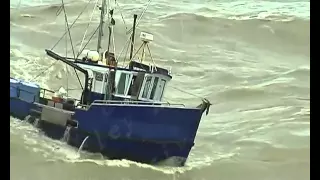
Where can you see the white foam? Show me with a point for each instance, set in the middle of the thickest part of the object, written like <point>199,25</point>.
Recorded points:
<point>55,150</point>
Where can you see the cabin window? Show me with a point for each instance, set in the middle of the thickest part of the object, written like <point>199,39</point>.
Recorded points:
<point>99,76</point>
<point>123,83</point>
<point>105,84</point>
<point>98,83</point>
<point>132,90</point>
<point>161,88</point>
<point>154,87</point>
<point>147,87</point>
<point>106,77</point>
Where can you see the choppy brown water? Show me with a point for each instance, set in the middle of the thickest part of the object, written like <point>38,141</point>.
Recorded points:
<point>250,58</point>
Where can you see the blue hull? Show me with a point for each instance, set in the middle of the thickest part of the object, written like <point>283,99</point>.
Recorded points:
<point>20,109</point>
<point>140,133</point>
<point>145,152</point>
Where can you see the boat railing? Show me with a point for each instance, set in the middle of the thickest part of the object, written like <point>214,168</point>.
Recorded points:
<point>131,102</point>
<point>43,92</point>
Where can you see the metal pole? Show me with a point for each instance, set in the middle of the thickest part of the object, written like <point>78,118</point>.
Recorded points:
<point>133,33</point>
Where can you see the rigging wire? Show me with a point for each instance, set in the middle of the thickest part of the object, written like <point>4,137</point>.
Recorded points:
<point>84,36</point>
<point>66,64</point>
<point>68,31</point>
<point>46,69</point>
<point>71,25</point>
<point>88,41</point>
<point>71,43</point>
<point>125,54</point>
<point>127,43</point>
<point>186,92</point>
<point>124,22</point>
<point>94,32</point>
<point>151,56</point>
<point>111,25</point>
<point>140,17</point>
<point>66,20</point>
<point>113,41</point>
<point>131,29</point>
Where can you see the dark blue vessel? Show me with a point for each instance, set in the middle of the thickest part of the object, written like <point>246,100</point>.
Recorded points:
<point>120,113</point>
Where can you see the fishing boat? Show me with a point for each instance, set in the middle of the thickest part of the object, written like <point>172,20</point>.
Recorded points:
<point>120,113</point>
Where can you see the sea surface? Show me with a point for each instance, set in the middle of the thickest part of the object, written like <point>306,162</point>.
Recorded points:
<point>250,58</point>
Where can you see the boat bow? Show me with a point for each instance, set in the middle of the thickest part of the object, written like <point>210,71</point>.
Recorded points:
<point>205,106</point>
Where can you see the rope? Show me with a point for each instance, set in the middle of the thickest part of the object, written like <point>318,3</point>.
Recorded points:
<point>66,20</point>
<point>125,54</point>
<point>71,25</point>
<point>121,15</point>
<point>68,31</point>
<point>151,56</point>
<point>113,41</point>
<point>87,42</point>
<point>43,71</point>
<point>140,17</point>
<point>71,43</point>
<point>186,92</point>
<point>145,9</point>
<point>84,36</point>
<point>66,64</point>
<point>127,42</point>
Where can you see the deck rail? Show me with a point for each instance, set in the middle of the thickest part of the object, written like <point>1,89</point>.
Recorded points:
<point>136,102</point>
<point>129,102</point>
<point>41,94</point>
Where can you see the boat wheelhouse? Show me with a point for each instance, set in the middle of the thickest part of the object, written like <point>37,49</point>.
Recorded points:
<point>105,81</point>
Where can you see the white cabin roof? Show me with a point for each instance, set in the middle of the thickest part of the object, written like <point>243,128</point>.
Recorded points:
<point>94,68</point>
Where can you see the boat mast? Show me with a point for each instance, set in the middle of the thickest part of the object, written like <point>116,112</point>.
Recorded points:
<point>101,24</point>
<point>133,34</point>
